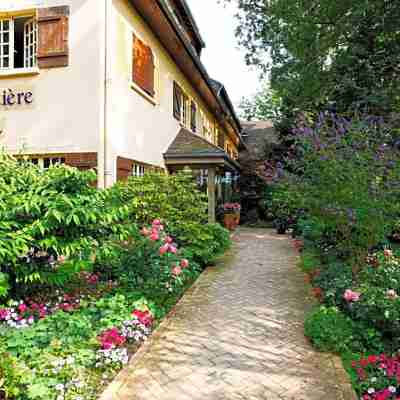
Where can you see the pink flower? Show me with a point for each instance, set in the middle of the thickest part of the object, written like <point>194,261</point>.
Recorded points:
<point>173,249</point>
<point>111,338</point>
<point>156,222</point>
<point>387,253</point>
<point>92,279</point>
<point>22,308</point>
<point>154,236</point>
<point>61,259</point>
<point>176,270</point>
<point>144,317</point>
<point>145,232</point>
<point>184,263</point>
<point>350,296</point>
<point>164,249</point>
<point>169,240</point>
<point>4,313</point>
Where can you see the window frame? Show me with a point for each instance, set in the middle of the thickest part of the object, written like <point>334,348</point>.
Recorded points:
<point>152,99</point>
<point>11,69</point>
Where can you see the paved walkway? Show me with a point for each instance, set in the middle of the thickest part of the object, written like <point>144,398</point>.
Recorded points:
<point>237,335</point>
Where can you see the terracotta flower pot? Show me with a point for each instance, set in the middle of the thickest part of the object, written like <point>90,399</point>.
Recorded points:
<point>230,221</point>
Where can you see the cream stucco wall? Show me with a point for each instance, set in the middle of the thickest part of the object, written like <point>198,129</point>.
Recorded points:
<point>137,128</point>
<point>66,113</point>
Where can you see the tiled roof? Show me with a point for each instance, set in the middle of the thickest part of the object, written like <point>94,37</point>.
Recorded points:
<point>187,143</point>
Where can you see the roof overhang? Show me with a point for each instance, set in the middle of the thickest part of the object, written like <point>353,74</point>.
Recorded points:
<point>201,161</point>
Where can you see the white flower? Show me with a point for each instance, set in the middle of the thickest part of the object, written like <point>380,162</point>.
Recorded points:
<point>371,390</point>
<point>392,389</point>
<point>60,387</point>
<point>374,379</point>
<point>70,360</point>
<point>60,397</point>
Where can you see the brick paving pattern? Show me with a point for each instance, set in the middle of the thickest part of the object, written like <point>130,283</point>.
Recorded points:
<point>237,335</point>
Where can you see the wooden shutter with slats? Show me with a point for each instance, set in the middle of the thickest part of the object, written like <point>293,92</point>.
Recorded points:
<point>53,31</point>
<point>143,66</point>
<point>178,99</point>
<point>193,116</point>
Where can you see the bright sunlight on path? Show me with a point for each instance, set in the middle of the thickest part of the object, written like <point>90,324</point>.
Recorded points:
<point>237,334</point>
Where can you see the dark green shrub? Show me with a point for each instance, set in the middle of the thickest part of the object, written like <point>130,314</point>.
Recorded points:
<point>52,224</point>
<point>329,330</point>
<point>334,279</point>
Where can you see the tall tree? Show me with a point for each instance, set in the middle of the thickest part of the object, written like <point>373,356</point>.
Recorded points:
<point>342,53</point>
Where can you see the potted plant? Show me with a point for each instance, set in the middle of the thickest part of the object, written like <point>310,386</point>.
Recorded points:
<point>231,215</point>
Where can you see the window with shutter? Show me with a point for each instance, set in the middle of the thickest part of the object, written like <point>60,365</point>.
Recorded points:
<point>143,67</point>
<point>18,43</point>
<point>53,31</point>
<point>193,116</point>
<point>178,101</point>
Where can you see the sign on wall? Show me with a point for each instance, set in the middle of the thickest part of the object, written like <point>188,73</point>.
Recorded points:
<point>12,98</point>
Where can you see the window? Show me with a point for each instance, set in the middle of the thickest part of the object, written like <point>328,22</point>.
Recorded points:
<point>138,170</point>
<point>193,116</point>
<point>18,43</point>
<point>143,67</point>
<point>20,37</point>
<point>49,161</point>
<point>181,105</point>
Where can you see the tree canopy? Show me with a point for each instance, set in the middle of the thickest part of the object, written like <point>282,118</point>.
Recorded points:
<point>343,54</point>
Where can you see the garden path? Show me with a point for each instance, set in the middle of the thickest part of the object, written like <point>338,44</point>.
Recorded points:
<point>237,334</point>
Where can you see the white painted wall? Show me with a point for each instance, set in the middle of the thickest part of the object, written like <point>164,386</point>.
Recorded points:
<point>138,129</point>
<point>66,114</point>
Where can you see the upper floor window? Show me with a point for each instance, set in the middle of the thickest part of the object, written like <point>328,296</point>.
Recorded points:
<point>143,66</point>
<point>181,105</point>
<point>27,42</point>
<point>193,116</point>
<point>18,43</point>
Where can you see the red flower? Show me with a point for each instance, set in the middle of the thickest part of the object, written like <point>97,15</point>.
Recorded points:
<point>22,308</point>
<point>372,359</point>
<point>184,263</point>
<point>111,338</point>
<point>144,317</point>
<point>364,362</point>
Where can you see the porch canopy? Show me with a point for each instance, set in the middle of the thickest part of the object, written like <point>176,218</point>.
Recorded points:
<point>189,150</point>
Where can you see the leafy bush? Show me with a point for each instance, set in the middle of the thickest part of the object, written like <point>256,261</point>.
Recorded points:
<point>334,279</point>
<point>347,172</point>
<point>329,330</point>
<point>286,206</point>
<point>174,199</point>
<point>52,224</point>
<point>204,242</point>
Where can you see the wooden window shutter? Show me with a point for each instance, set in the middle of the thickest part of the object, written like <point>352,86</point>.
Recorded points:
<point>143,66</point>
<point>53,31</point>
<point>178,99</point>
<point>193,116</point>
<point>221,140</point>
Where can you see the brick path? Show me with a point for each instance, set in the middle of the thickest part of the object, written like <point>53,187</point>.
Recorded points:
<point>237,334</point>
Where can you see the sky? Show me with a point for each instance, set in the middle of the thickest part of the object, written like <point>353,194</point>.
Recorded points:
<point>222,57</point>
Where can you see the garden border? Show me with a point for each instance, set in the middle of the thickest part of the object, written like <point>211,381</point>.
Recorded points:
<point>117,383</point>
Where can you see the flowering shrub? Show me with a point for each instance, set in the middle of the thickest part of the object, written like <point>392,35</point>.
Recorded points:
<point>378,377</point>
<point>232,207</point>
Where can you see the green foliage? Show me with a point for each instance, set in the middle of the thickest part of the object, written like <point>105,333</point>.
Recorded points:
<point>322,53</point>
<point>286,206</point>
<point>329,330</point>
<point>53,223</point>
<point>174,199</point>
<point>347,174</point>
<point>204,242</point>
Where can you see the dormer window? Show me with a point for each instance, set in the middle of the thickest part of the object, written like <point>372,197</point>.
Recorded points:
<point>18,43</point>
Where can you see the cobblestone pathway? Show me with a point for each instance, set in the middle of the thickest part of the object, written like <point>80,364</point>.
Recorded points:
<point>237,334</point>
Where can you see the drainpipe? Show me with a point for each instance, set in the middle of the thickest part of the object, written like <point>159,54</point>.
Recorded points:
<point>105,176</point>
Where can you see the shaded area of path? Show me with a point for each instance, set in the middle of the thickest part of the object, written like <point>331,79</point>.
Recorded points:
<point>237,334</point>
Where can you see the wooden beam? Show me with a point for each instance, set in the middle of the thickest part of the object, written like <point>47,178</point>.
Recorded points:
<point>211,195</point>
